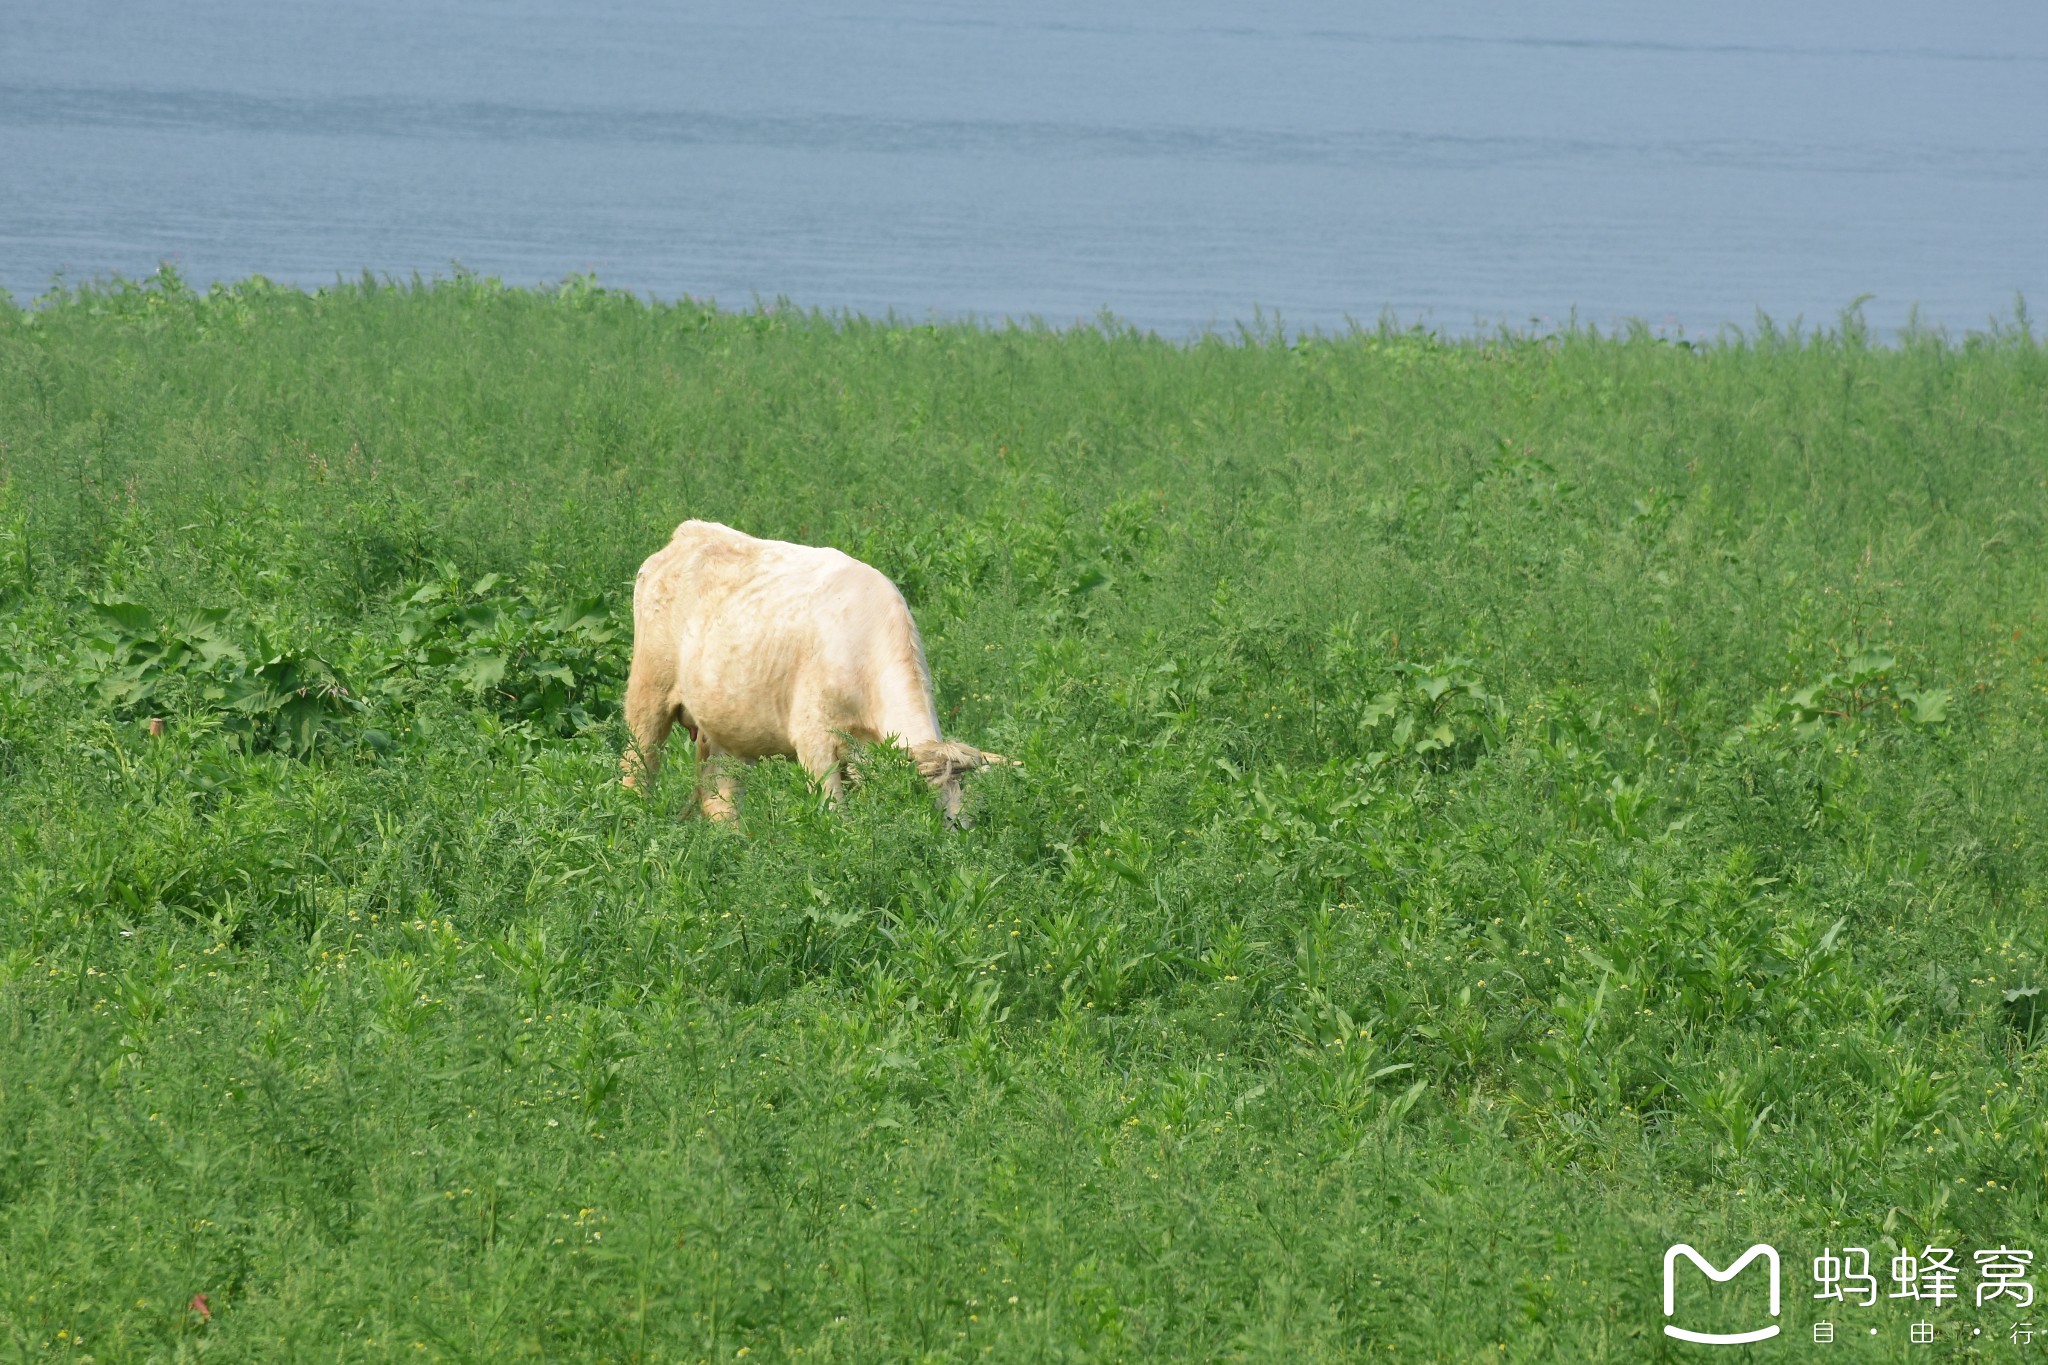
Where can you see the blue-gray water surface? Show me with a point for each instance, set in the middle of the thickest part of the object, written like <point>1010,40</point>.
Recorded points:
<point>1180,165</point>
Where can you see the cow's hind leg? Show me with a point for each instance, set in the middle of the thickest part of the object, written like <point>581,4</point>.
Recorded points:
<point>650,715</point>
<point>717,770</point>
<point>823,754</point>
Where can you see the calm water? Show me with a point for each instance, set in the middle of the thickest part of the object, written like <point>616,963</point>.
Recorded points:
<point>1180,164</point>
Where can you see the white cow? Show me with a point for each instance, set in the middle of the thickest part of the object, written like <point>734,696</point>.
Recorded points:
<point>760,647</point>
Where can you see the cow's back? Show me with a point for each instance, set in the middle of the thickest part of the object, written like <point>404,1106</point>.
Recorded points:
<point>768,637</point>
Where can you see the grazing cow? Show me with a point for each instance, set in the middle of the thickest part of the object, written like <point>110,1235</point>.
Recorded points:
<point>760,647</point>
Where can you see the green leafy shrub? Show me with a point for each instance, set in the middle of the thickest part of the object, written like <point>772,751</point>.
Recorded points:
<point>1438,712</point>
<point>138,665</point>
<point>553,667</point>
<point>937,567</point>
<point>1862,690</point>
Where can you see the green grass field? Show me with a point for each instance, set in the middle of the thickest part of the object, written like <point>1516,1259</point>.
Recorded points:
<point>1488,811</point>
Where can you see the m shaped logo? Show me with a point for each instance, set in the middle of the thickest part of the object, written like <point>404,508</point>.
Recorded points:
<point>1770,1255</point>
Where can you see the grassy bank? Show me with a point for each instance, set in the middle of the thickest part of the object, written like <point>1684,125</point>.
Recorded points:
<point>1487,812</point>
